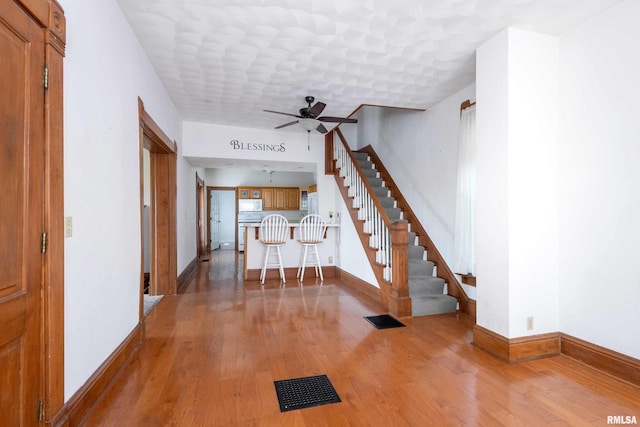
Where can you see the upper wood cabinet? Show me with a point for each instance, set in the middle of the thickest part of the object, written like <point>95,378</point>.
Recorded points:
<point>249,193</point>
<point>279,195</point>
<point>280,198</point>
<point>292,199</point>
<point>268,200</point>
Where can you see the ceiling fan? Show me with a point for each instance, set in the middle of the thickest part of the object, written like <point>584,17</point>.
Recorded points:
<point>308,117</point>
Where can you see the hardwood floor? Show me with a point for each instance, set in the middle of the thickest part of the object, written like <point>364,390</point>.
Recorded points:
<point>212,353</point>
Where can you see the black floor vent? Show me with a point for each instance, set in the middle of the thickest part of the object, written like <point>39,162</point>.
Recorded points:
<point>305,392</point>
<point>384,321</point>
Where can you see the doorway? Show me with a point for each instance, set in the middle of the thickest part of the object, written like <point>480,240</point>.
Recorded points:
<point>221,208</point>
<point>162,208</point>
<point>202,246</point>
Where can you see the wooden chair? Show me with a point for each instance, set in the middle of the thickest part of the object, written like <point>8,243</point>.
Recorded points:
<point>273,234</point>
<point>311,231</point>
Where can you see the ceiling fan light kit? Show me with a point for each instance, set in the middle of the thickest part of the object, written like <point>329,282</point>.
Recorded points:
<point>308,117</point>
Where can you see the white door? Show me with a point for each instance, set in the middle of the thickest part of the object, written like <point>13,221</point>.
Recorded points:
<point>215,220</point>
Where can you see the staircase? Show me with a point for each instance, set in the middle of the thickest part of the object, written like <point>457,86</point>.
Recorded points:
<point>411,273</point>
<point>425,289</point>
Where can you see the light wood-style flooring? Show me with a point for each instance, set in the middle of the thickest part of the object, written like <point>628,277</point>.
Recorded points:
<point>213,352</point>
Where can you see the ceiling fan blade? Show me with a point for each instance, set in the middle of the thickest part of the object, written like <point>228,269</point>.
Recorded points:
<point>315,111</point>
<point>286,114</point>
<point>336,119</point>
<point>287,124</point>
<point>321,128</point>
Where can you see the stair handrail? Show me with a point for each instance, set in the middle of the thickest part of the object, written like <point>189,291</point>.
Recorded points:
<point>377,222</point>
<point>453,286</point>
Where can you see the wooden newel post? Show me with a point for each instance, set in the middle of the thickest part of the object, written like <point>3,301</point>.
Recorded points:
<point>399,300</point>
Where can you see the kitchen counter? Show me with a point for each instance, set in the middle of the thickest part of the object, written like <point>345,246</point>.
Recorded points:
<point>292,226</point>
<point>254,252</point>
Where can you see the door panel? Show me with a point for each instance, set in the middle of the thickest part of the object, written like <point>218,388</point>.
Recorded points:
<point>22,219</point>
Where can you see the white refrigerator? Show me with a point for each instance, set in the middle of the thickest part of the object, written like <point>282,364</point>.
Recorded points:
<point>312,200</point>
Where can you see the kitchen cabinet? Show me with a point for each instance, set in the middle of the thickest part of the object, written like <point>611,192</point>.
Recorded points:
<point>280,198</point>
<point>249,193</point>
<point>292,199</point>
<point>278,194</point>
<point>268,201</point>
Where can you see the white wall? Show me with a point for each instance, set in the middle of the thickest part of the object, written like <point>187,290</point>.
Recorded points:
<point>517,137</point>
<point>258,178</point>
<point>350,254</point>
<point>492,204</point>
<point>600,203</point>
<point>420,151</point>
<point>570,205</point>
<point>105,72</point>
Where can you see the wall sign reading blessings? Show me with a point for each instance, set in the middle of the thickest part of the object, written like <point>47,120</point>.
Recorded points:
<point>250,146</point>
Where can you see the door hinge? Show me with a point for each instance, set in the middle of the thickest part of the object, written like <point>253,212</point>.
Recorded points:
<point>40,410</point>
<point>43,241</point>
<point>45,78</point>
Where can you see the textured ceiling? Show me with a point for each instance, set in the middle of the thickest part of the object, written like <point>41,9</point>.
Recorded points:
<point>224,61</point>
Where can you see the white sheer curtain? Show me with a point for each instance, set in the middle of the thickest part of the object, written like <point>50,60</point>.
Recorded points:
<point>464,243</point>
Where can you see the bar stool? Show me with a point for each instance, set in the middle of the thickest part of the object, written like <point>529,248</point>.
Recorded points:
<point>312,228</point>
<point>273,234</point>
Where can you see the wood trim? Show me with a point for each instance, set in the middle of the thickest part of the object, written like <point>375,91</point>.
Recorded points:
<point>399,299</point>
<point>202,246</point>
<point>51,17</point>
<point>522,349</point>
<point>466,104</point>
<point>472,308</point>
<point>161,143</point>
<point>610,362</point>
<point>357,284</point>
<point>328,271</point>
<point>81,403</point>
<point>453,286</point>
<point>382,106</point>
<point>163,223</point>
<point>468,279</point>
<point>329,167</point>
<point>516,350</point>
<point>186,274</point>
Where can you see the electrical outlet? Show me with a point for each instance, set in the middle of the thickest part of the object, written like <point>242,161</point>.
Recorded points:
<point>330,260</point>
<point>530,323</point>
<point>330,214</point>
<point>68,226</point>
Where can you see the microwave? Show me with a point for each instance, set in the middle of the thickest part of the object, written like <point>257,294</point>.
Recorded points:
<point>249,205</point>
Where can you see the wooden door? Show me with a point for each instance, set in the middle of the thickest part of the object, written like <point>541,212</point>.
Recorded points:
<point>22,220</point>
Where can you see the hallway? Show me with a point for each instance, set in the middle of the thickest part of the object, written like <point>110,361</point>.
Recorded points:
<point>212,353</point>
